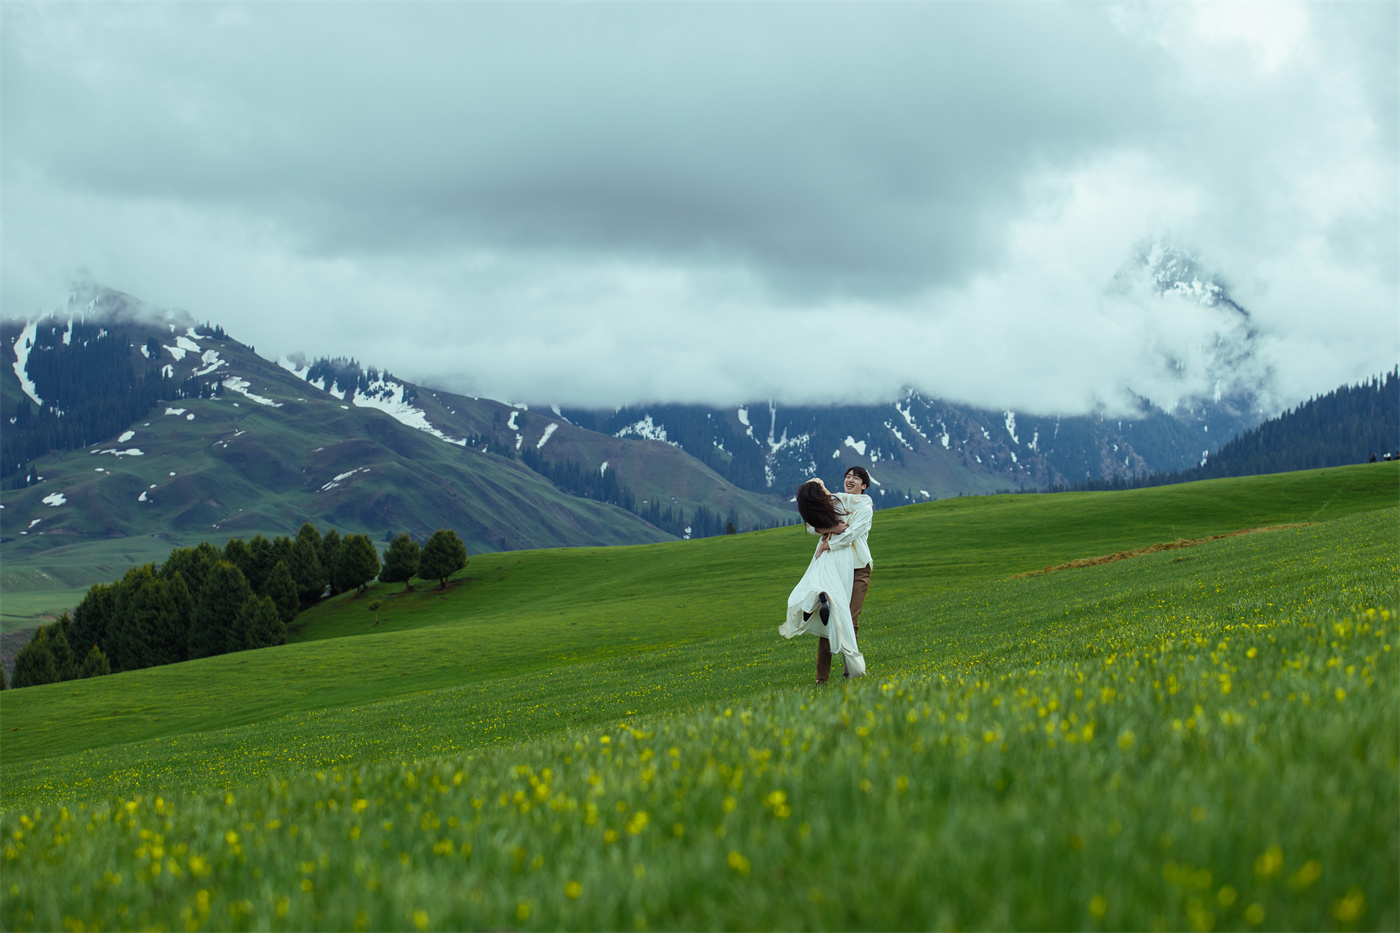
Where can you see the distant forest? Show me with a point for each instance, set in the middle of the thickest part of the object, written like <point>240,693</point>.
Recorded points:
<point>1352,424</point>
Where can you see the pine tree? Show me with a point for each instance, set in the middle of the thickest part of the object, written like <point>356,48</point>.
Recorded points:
<point>65,666</point>
<point>193,564</point>
<point>34,665</point>
<point>236,552</point>
<point>149,627</point>
<point>401,561</point>
<point>357,563</point>
<point>330,556</point>
<point>282,590</point>
<point>443,555</point>
<point>216,610</point>
<point>304,561</point>
<point>181,615</point>
<point>258,625</point>
<point>95,664</point>
<point>93,617</point>
<point>262,556</point>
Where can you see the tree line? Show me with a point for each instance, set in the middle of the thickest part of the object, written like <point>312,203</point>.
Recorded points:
<point>205,600</point>
<point>1348,425</point>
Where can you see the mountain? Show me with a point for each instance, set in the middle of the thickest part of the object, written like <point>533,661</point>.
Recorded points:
<point>1351,424</point>
<point>122,421</point>
<point>915,448</point>
<point>1221,384</point>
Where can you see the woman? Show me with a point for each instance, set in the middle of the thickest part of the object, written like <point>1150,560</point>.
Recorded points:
<point>821,601</point>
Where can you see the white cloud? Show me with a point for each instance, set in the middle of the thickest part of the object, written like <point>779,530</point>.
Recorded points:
<point>720,203</point>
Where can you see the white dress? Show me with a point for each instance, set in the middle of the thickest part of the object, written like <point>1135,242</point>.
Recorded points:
<point>830,573</point>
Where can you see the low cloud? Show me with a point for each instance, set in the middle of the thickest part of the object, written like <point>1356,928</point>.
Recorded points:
<point>607,204</point>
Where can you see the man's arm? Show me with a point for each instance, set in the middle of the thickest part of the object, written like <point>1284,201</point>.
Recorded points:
<point>857,523</point>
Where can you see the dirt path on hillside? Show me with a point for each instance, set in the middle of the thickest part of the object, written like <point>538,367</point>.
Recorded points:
<point>1154,549</point>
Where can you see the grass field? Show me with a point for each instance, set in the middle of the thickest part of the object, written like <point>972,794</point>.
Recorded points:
<point>1198,738</point>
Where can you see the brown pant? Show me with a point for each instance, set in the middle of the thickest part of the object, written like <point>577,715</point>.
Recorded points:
<point>859,585</point>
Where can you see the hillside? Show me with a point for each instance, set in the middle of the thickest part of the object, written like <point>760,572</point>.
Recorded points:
<point>1205,732</point>
<point>547,610</point>
<point>1351,424</point>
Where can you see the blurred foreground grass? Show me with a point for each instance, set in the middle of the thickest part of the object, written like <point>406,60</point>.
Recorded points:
<point>1197,739</point>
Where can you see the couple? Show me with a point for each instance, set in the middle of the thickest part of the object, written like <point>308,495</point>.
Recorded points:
<point>828,600</point>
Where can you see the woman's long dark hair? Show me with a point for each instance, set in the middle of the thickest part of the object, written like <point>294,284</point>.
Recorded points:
<point>816,506</point>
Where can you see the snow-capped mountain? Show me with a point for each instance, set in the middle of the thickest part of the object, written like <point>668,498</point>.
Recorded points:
<point>1206,366</point>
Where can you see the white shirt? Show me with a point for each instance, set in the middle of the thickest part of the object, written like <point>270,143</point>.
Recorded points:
<point>860,515</point>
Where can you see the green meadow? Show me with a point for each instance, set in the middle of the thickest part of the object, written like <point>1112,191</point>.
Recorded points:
<point>1202,737</point>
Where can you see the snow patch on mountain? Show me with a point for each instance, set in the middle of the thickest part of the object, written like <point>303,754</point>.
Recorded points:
<point>241,386</point>
<point>129,452</point>
<point>54,499</point>
<point>211,361</point>
<point>23,344</point>
<point>898,436</point>
<point>548,433</point>
<point>908,415</point>
<point>290,366</point>
<point>342,477</point>
<point>647,429</point>
<point>388,396</point>
<point>1011,425</point>
<point>175,411</point>
<point>126,436</point>
<point>857,446</point>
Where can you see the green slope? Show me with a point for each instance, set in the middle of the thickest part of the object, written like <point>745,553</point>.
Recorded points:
<point>549,612</point>
<point>1196,738</point>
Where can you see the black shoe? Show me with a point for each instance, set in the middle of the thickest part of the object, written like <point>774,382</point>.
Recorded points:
<point>825,610</point>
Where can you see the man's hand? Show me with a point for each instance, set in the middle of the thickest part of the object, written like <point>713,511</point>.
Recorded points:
<point>822,548</point>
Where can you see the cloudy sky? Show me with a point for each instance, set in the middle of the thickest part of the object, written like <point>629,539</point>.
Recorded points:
<point>608,203</point>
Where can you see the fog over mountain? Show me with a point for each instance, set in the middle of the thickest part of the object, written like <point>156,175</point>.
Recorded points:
<point>1053,208</point>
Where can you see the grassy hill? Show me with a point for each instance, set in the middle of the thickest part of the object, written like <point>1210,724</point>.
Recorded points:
<point>1192,737</point>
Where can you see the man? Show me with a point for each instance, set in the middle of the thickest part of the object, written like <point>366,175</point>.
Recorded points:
<point>853,532</point>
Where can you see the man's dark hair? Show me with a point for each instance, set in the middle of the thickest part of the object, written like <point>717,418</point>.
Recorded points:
<point>860,472</point>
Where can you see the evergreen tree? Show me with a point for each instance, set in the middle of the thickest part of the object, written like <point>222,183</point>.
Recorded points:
<point>282,590</point>
<point>257,625</point>
<point>4,683</point>
<point>443,555</point>
<point>330,556</point>
<point>93,618</point>
<point>262,556</point>
<point>236,552</point>
<point>65,666</point>
<point>305,564</point>
<point>215,612</point>
<point>95,664</point>
<point>181,613</point>
<point>193,564</point>
<point>307,572</point>
<point>149,627</point>
<point>401,561</point>
<point>34,665</point>
<point>357,563</point>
